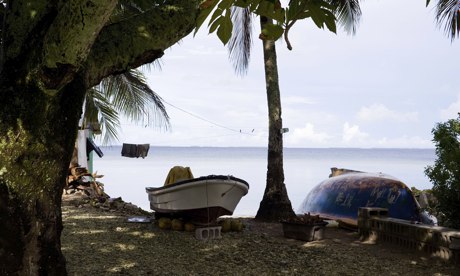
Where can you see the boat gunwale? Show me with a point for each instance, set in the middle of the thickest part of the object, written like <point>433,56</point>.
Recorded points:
<point>193,180</point>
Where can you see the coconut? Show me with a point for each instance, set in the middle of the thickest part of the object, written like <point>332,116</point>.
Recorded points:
<point>177,225</point>
<point>237,225</point>
<point>164,223</point>
<point>189,227</point>
<point>226,225</point>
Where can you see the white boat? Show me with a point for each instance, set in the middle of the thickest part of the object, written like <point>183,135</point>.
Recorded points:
<point>199,200</point>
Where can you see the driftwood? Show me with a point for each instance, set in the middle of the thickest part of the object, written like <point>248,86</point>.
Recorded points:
<point>83,189</point>
<point>80,179</point>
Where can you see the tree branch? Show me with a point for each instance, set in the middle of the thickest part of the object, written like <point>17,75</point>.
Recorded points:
<point>286,34</point>
<point>20,19</point>
<point>69,39</point>
<point>139,39</point>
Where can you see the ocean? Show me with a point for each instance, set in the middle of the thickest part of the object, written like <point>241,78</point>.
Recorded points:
<point>304,168</point>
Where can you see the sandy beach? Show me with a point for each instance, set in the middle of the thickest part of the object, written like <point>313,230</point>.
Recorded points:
<point>98,241</point>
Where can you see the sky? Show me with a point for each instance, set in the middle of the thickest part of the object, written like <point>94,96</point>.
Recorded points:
<point>385,87</point>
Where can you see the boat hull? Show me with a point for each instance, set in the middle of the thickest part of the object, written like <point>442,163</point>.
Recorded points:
<point>201,200</point>
<point>340,197</point>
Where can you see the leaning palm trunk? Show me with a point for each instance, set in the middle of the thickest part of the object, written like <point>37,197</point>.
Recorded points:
<point>275,204</point>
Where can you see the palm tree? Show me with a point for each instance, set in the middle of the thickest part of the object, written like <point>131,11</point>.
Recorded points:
<point>128,95</point>
<point>448,14</point>
<point>275,204</point>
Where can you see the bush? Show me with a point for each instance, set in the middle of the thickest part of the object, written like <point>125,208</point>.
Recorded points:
<point>445,173</point>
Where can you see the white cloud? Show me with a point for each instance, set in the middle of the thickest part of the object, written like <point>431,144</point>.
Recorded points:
<point>354,137</point>
<point>353,134</point>
<point>405,142</point>
<point>452,111</point>
<point>197,76</point>
<point>379,112</point>
<point>307,134</point>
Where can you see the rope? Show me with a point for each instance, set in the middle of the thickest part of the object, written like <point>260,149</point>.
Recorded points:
<point>208,121</point>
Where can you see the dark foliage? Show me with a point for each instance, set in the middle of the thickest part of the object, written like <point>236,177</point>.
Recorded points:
<point>445,173</point>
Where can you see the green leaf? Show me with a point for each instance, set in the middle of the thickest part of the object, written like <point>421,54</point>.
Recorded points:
<point>215,24</point>
<point>321,14</point>
<point>254,4</point>
<point>316,14</point>
<point>267,8</point>
<point>302,15</point>
<point>279,14</point>
<point>225,4</point>
<point>272,31</point>
<point>291,12</point>
<point>215,15</point>
<point>330,23</point>
<point>242,3</point>
<point>225,29</point>
<point>204,13</point>
<point>296,9</point>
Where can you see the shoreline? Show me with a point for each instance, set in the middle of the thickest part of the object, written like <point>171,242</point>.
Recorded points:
<point>103,242</point>
<point>303,169</point>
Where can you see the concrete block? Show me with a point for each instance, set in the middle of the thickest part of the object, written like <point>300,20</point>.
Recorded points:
<point>208,233</point>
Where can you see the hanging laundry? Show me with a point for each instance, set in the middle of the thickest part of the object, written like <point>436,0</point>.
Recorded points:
<point>129,150</point>
<point>143,150</point>
<point>133,150</point>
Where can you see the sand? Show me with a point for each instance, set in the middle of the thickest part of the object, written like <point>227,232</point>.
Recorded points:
<point>99,241</point>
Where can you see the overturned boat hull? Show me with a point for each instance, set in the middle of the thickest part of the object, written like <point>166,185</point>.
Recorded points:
<point>199,200</point>
<point>340,197</point>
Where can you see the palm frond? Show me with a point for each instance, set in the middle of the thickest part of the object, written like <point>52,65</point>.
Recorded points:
<point>132,97</point>
<point>239,46</point>
<point>348,13</point>
<point>156,64</point>
<point>98,109</point>
<point>448,14</point>
<point>90,110</point>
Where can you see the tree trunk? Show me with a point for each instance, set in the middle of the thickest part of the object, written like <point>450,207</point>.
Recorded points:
<point>37,135</point>
<point>275,204</point>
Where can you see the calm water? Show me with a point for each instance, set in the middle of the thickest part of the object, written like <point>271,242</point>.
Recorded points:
<point>303,168</point>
